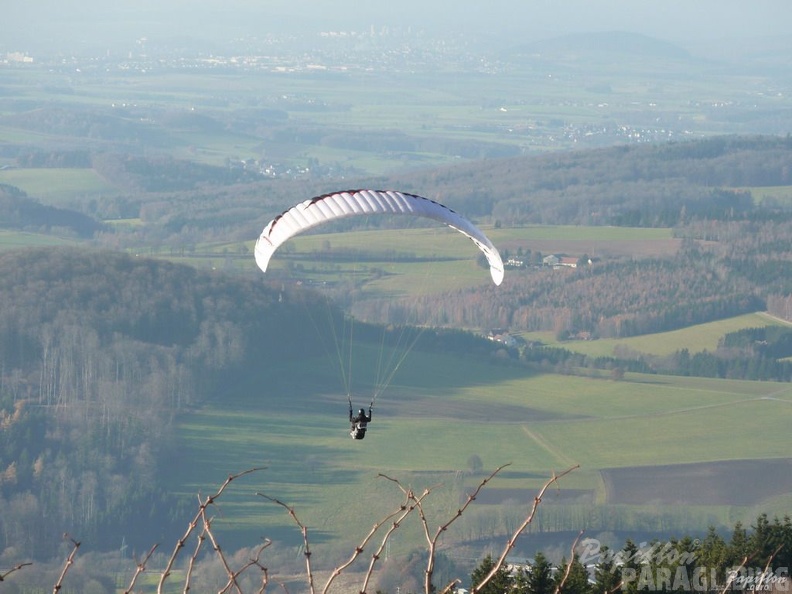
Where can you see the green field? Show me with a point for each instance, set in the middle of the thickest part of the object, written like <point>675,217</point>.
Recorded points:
<point>438,413</point>
<point>780,195</point>
<point>578,233</point>
<point>55,185</point>
<point>701,337</point>
<point>11,240</point>
<point>448,261</point>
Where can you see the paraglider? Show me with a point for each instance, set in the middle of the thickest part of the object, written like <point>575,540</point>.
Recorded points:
<point>337,205</point>
<point>359,423</point>
<point>329,207</point>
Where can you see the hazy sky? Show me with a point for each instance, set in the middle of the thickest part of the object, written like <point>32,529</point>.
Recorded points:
<point>27,22</point>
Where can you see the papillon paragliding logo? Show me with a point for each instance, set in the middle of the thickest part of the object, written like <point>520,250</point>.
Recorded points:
<point>663,567</point>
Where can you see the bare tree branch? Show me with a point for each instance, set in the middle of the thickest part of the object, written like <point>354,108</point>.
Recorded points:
<point>561,584</point>
<point>67,565</point>
<point>199,543</point>
<point>359,549</point>
<point>408,509</point>
<point>410,504</point>
<point>761,585</point>
<point>232,577</point>
<point>304,531</point>
<point>141,567</point>
<point>440,529</point>
<point>728,584</point>
<point>254,562</point>
<point>3,576</point>
<point>194,522</point>
<point>510,543</point>
<point>450,585</point>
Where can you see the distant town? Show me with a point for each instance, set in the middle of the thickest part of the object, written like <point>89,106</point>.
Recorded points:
<point>338,53</point>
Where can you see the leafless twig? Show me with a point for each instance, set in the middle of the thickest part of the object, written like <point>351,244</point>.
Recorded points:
<point>199,543</point>
<point>255,561</point>
<point>67,565</point>
<point>141,567</point>
<point>728,583</point>
<point>450,585</point>
<point>510,543</point>
<point>560,585</point>
<point>3,576</point>
<point>410,504</point>
<point>232,576</point>
<point>304,531</point>
<point>203,504</point>
<point>359,549</point>
<point>760,585</point>
<point>407,510</point>
<point>432,540</point>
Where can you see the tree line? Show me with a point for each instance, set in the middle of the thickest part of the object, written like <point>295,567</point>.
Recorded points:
<point>738,356</point>
<point>653,185</point>
<point>19,211</point>
<point>752,560</point>
<point>609,299</point>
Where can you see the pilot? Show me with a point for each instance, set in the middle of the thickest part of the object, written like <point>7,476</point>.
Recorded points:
<point>359,423</point>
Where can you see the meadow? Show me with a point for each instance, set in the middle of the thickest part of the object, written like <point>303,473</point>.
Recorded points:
<point>435,259</point>
<point>438,413</point>
<point>780,195</point>
<point>645,433</point>
<point>57,186</point>
<point>10,240</point>
<point>697,338</point>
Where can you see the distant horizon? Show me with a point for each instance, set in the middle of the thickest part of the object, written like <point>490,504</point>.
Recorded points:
<point>28,26</point>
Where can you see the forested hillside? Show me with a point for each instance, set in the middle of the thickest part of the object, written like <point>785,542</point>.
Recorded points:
<point>743,266</point>
<point>98,352</point>
<point>638,185</point>
<point>645,185</point>
<point>735,257</point>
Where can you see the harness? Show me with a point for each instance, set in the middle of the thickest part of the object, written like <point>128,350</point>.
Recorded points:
<point>359,427</point>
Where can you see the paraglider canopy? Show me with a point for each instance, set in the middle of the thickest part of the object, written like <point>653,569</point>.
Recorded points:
<point>329,207</point>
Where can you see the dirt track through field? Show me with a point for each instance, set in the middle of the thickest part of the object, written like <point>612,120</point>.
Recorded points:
<point>545,445</point>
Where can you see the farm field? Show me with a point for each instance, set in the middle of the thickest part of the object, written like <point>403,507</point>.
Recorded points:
<point>595,241</point>
<point>56,185</point>
<point>701,337</point>
<point>781,195</point>
<point>10,240</point>
<point>442,242</point>
<point>414,261</point>
<point>441,411</point>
